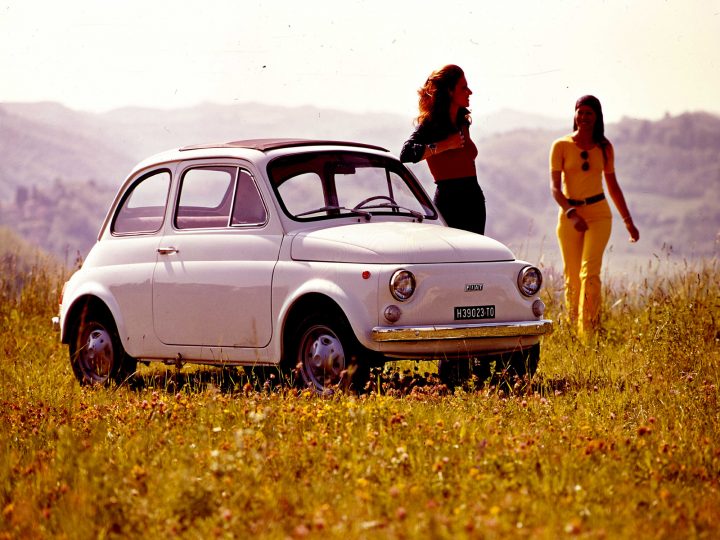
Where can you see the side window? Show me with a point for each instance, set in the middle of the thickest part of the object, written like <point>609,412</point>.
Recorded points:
<point>249,207</point>
<point>143,208</point>
<point>205,198</point>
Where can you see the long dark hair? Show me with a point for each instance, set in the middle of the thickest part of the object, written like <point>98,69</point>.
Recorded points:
<point>598,133</point>
<point>434,102</point>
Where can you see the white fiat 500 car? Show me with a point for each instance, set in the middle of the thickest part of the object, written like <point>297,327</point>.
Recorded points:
<point>316,259</point>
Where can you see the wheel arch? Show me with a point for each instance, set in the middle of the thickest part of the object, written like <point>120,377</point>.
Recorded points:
<point>305,304</point>
<point>359,308</point>
<point>315,301</point>
<point>88,303</point>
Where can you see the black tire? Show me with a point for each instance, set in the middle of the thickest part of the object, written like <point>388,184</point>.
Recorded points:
<point>525,362</point>
<point>454,373</point>
<point>323,355</point>
<point>96,353</point>
<point>508,366</point>
<point>264,377</point>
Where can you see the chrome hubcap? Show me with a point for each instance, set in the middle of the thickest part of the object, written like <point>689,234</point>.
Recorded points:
<point>323,358</point>
<point>97,354</point>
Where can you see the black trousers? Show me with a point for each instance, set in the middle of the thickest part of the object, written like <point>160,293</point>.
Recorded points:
<point>461,203</point>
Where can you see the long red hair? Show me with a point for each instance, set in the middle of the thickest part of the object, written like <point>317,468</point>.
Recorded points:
<point>434,102</point>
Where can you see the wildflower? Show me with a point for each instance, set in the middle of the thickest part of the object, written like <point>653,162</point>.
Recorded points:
<point>301,531</point>
<point>574,527</point>
<point>256,417</point>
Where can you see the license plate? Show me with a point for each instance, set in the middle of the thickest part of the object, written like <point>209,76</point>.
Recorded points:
<point>464,313</point>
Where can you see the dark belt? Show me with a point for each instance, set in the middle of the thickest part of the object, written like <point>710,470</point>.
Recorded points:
<point>590,200</point>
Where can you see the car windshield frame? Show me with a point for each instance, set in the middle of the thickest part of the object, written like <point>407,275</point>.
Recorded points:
<point>331,184</point>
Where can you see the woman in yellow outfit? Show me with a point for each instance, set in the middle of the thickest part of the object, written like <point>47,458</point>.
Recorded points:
<point>577,164</point>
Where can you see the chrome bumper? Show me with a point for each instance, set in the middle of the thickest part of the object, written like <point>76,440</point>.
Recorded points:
<point>461,331</point>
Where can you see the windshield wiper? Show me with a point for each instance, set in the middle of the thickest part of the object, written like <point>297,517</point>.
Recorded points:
<point>414,213</point>
<point>366,215</point>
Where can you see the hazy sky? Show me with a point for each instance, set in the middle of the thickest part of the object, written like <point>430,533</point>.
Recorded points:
<point>642,58</point>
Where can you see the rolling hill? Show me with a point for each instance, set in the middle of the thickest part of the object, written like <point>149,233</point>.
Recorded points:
<point>61,167</point>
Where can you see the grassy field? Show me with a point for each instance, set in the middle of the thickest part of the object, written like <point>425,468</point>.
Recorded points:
<point>618,439</point>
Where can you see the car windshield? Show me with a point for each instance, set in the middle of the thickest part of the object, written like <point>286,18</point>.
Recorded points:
<point>326,185</point>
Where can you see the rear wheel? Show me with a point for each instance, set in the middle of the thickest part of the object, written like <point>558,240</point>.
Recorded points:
<point>324,354</point>
<point>96,354</point>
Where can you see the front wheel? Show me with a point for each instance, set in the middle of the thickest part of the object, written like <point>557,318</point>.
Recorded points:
<point>454,373</point>
<point>325,353</point>
<point>96,354</point>
<point>493,368</point>
<point>518,364</point>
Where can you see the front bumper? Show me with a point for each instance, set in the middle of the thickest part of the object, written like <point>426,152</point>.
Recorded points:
<point>461,331</point>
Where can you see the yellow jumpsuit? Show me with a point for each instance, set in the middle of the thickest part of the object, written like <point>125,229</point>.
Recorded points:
<point>582,252</point>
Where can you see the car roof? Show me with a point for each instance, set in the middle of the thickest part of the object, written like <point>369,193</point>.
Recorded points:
<point>266,145</point>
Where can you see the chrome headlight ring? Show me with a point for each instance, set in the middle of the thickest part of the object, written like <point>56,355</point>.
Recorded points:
<point>529,280</point>
<point>402,285</point>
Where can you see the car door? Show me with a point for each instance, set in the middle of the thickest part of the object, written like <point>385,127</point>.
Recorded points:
<point>212,283</point>
<point>128,255</point>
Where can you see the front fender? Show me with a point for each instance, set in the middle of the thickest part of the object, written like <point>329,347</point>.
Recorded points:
<point>354,294</point>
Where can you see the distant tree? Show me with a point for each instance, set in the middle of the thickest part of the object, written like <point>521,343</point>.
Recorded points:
<point>21,196</point>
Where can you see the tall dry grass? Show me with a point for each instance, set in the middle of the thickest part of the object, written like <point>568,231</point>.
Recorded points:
<point>618,439</point>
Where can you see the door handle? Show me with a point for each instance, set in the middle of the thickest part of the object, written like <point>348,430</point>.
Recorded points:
<point>167,250</point>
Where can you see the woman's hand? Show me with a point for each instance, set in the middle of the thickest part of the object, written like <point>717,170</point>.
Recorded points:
<point>632,229</point>
<point>579,223</point>
<point>456,140</point>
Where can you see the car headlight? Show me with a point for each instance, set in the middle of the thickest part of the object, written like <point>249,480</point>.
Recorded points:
<point>529,280</point>
<point>402,285</point>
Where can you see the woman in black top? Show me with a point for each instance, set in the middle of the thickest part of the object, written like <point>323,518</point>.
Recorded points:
<point>442,137</point>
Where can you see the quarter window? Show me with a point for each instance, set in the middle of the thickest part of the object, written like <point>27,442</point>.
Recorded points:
<point>249,209</point>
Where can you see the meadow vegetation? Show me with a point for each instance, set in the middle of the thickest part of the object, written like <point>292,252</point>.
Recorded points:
<point>616,439</point>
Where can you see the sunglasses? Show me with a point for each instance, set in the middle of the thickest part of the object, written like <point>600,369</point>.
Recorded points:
<point>586,164</point>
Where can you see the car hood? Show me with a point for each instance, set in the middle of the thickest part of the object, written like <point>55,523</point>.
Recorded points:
<point>396,242</point>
